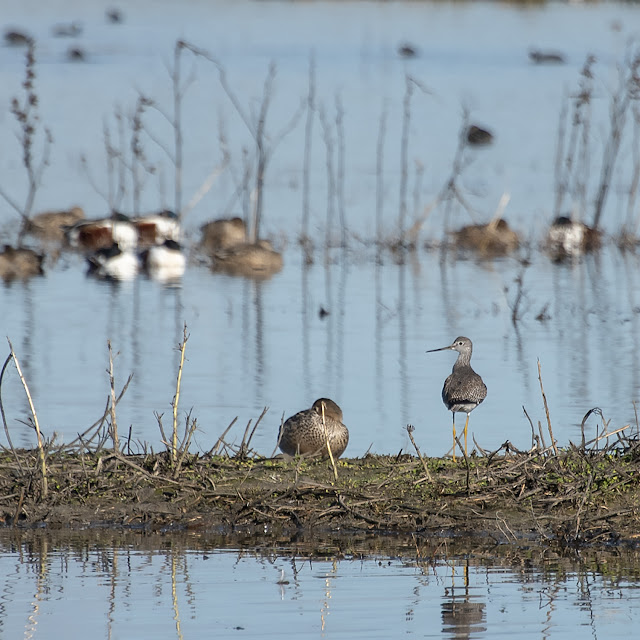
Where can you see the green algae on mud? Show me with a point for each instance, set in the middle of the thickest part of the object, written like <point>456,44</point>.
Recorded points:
<point>572,498</point>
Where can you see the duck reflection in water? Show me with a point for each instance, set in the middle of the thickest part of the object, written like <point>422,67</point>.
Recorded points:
<point>307,432</point>
<point>112,263</point>
<point>165,262</point>
<point>253,260</point>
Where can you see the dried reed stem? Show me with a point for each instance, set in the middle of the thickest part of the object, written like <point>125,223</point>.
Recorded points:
<point>4,418</point>
<point>190,430</point>
<point>546,410</point>
<point>258,421</point>
<point>176,398</point>
<point>112,384</point>
<point>36,424</point>
<point>220,441</point>
<point>410,429</point>
<point>326,437</point>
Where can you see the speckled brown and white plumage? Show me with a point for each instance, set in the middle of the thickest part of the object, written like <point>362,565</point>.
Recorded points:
<point>304,433</point>
<point>463,389</point>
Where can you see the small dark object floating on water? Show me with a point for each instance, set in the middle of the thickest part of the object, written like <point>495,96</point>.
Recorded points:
<point>407,50</point>
<point>114,15</point>
<point>17,38</point>
<point>546,57</point>
<point>76,54</point>
<point>478,136</point>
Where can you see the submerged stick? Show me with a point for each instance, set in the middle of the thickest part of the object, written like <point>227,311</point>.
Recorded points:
<point>36,424</point>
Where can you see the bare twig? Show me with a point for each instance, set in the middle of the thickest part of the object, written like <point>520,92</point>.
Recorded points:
<point>114,425</point>
<point>326,437</point>
<point>258,421</point>
<point>410,429</point>
<point>26,113</point>
<point>546,410</point>
<point>4,418</point>
<point>176,398</point>
<point>36,424</point>
<point>220,441</point>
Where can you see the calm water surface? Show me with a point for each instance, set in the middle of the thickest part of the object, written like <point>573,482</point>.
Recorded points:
<point>263,344</point>
<point>257,344</point>
<point>131,586</point>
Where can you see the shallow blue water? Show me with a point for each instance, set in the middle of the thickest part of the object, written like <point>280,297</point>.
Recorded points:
<point>261,344</point>
<point>253,345</point>
<point>126,591</point>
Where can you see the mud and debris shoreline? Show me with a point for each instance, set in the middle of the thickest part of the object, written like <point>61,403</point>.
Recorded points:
<point>574,498</point>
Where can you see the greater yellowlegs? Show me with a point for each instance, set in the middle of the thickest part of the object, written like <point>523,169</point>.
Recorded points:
<point>464,389</point>
<point>308,432</point>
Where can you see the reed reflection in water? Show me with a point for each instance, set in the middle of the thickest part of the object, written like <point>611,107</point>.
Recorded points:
<point>126,585</point>
<point>354,329</point>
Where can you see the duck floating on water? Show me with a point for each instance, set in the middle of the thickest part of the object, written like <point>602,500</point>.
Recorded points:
<point>155,228</point>
<point>569,238</point>
<point>495,238</point>
<point>223,234</point>
<point>20,263</point>
<point>252,260</point>
<point>92,235</point>
<point>129,233</point>
<point>50,225</point>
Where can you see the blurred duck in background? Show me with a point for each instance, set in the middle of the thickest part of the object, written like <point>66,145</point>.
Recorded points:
<point>113,263</point>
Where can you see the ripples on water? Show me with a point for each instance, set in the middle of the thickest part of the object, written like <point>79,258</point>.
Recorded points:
<point>128,586</point>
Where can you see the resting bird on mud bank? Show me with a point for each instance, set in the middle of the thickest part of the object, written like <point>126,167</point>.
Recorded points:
<point>306,433</point>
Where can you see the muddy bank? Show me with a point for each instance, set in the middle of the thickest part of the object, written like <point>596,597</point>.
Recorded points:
<point>571,498</point>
